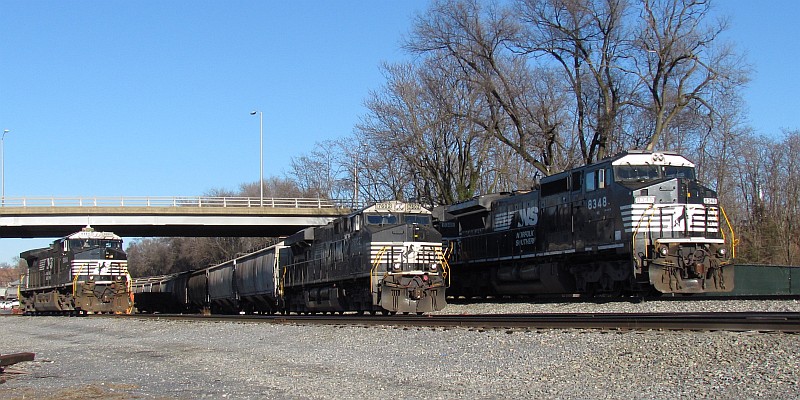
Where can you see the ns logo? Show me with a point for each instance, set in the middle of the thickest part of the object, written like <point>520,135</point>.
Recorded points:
<point>528,216</point>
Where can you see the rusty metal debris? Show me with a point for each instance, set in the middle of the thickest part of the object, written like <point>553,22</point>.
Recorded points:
<point>11,359</point>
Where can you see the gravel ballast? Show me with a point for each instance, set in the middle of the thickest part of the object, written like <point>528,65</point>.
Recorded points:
<point>78,358</point>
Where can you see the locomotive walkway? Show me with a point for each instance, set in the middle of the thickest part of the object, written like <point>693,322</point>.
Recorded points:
<point>27,217</point>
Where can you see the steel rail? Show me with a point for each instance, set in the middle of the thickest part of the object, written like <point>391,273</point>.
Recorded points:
<point>730,321</point>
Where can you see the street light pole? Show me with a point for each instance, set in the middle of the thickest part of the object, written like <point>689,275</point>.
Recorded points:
<point>261,156</point>
<point>355,181</point>
<point>3,166</point>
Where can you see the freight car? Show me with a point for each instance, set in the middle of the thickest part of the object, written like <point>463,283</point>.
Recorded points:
<point>165,293</point>
<point>86,272</point>
<point>635,223</point>
<point>386,257</point>
<point>247,284</point>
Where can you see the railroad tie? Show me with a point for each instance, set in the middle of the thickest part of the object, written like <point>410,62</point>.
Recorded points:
<point>11,359</point>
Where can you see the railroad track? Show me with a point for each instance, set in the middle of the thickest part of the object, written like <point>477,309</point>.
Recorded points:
<point>730,321</point>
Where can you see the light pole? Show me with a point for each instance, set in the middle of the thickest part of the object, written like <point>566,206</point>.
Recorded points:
<point>261,156</point>
<point>3,166</point>
<point>355,181</point>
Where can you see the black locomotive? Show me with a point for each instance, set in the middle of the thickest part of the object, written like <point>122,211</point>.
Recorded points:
<point>634,223</point>
<point>86,272</point>
<point>386,257</point>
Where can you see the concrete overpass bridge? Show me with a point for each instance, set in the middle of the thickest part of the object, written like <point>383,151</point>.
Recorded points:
<point>29,217</point>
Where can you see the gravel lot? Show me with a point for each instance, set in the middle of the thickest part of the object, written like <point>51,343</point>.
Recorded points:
<point>86,358</point>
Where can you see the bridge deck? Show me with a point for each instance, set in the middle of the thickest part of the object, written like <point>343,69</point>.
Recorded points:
<point>148,216</point>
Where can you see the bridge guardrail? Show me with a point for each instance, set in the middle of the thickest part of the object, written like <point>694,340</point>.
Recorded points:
<point>174,201</point>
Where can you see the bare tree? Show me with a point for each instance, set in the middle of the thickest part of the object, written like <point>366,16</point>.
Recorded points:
<point>586,39</point>
<point>316,174</point>
<point>419,118</point>
<point>150,256</point>
<point>478,39</point>
<point>678,59</point>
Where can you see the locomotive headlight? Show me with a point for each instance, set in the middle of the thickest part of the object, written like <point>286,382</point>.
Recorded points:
<point>397,267</point>
<point>721,252</point>
<point>663,251</point>
<point>434,267</point>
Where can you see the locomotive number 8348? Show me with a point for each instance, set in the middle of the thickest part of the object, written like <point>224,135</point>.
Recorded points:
<point>636,222</point>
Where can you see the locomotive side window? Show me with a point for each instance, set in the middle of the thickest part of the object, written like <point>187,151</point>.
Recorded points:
<point>595,180</point>
<point>601,179</point>
<point>576,181</point>
<point>590,181</point>
<point>555,187</point>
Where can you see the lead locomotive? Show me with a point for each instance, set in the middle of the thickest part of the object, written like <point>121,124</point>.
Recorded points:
<point>632,223</point>
<point>86,272</point>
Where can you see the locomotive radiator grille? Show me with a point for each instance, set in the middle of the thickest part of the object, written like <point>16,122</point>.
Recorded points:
<point>411,258</point>
<point>103,268</point>
<point>691,219</point>
<point>409,254</point>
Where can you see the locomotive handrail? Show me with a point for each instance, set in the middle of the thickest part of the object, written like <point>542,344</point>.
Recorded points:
<point>445,266</point>
<point>173,201</point>
<point>733,234</point>
<point>375,265</point>
<point>649,214</point>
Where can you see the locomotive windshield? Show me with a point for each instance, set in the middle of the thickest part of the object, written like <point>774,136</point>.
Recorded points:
<point>392,219</point>
<point>381,219</point>
<point>645,173</point>
<point>77,244</point>
<point>418,219</point>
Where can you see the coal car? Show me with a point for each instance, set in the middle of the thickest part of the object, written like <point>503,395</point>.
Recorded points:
<point>86,272</point>
<point>635,223</point>
<point>164,293</point>
<point>246,284</point>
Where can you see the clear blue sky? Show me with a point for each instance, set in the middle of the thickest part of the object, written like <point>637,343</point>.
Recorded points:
<point>152,98</point>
